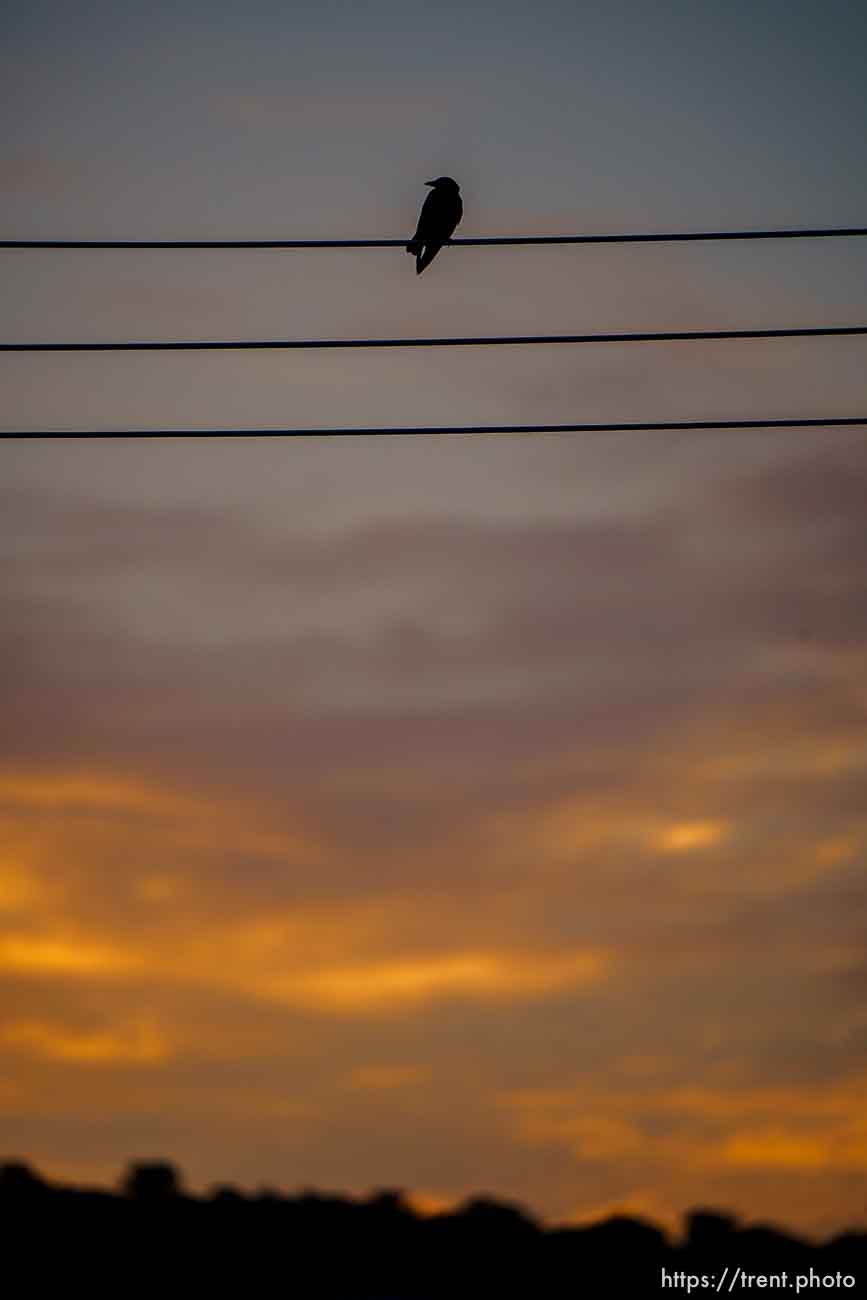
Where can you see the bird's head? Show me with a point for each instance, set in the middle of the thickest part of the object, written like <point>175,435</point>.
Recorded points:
<point>443,183</point>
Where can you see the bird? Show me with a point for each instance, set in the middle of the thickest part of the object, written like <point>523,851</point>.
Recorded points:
<point>440,214</point>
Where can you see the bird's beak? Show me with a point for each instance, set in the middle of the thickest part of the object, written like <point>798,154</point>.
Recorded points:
<point>430,182</point>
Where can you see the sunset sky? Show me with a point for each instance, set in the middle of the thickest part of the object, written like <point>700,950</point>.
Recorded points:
<point>466,815</point>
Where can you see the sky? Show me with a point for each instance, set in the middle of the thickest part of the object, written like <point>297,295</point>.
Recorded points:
<point>464,815</point>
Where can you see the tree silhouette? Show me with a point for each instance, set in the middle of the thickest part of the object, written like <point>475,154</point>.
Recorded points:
<point>152,1181</point>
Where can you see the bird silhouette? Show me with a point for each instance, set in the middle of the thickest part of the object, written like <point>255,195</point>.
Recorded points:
<point>440,214</point>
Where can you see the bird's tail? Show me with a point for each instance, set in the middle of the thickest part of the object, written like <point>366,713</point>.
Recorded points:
<point>425,256</point>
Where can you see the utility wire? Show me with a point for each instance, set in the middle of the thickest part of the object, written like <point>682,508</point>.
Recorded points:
<point>204,345</point>
<point>677,237</point>
<point>379,431</point>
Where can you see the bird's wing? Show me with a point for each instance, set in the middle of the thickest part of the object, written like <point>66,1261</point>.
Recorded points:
<point>454,218</point>
<point>445,217</point>
<point>431,224</point>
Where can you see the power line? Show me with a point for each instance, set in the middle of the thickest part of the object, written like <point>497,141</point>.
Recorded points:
<point>666,238</point>
<point>415,430</point>
<point>514,340</point>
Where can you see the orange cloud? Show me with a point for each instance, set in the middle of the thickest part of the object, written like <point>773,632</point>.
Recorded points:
<point>775,1148</point>
<point>197,820</point>
<point>84,790</point>
<point>141,1043</point>
<point>806,1102</point>
<point>56,956</point>
<point>684,837</point>
<point>385,1077</point>
<point>808,1128</point>
<point>381,985</point>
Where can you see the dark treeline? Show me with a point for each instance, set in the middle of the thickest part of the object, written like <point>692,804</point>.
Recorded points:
<point>151,1233</point>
